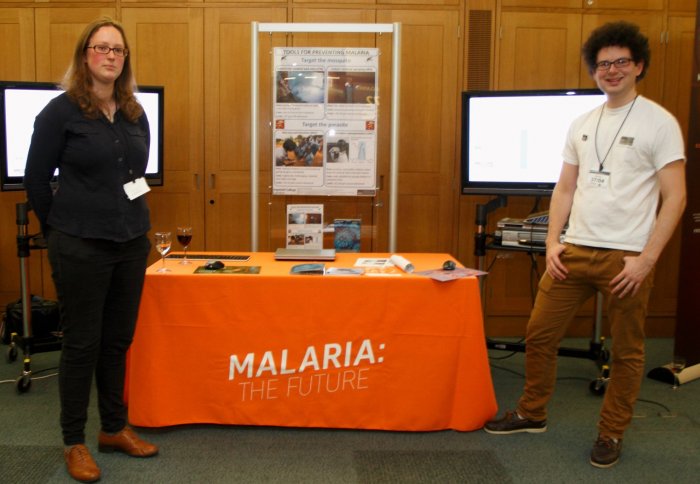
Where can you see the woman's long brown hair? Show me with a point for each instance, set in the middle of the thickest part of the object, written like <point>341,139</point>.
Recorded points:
<point>78,81</point>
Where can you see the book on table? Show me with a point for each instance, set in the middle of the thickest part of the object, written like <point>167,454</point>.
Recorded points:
<point>346,236</point>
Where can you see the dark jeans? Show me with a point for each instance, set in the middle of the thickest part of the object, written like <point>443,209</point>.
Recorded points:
<point>99,284</point>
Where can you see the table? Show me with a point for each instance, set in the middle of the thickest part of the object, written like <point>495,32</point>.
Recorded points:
<point>401,352</point>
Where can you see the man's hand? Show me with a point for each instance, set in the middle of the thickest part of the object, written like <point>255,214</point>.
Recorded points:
<point>631,277</point>
<point>555,267</point>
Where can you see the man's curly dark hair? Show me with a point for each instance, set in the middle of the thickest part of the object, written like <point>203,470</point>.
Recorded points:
<point>617,34</point>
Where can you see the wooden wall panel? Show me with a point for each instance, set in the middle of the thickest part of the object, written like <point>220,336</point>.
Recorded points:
<point>202,58</point>
<point>651,24</point>
<point>547,49</point>
<point>678,66</point>
<point>168,51</point>
<point>227,122</point>
<point>16,63</point>
<point>17,39</point>
<point>57,31</point>
<point>429,99</point>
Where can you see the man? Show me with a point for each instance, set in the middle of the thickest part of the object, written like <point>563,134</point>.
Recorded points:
<point>618,159</point>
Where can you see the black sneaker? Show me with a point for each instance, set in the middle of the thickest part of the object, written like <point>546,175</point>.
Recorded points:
<point>606,452</point>
<point>512,423</point>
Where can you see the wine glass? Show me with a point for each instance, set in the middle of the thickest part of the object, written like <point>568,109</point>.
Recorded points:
<point>163,242</point>
<point>184,237</point>
<point>677,366</point>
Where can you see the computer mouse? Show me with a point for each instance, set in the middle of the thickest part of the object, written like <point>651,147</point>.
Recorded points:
<point>214,265</point>
<point>449,265</point>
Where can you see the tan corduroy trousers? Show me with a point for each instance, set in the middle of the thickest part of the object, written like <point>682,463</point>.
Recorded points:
<point>557,302</point>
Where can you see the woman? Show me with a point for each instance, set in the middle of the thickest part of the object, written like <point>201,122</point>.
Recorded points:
<point>96,223</point>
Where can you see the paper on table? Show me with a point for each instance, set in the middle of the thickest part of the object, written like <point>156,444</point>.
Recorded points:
<point>458,273</point>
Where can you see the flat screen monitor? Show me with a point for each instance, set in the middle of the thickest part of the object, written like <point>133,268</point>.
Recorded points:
<point>512,141</point>
<point>20,102</point>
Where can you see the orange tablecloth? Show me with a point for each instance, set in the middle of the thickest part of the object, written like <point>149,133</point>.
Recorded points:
<point>389,352</point>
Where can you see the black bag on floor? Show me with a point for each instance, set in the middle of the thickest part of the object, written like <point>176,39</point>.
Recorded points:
<point>46,324</point>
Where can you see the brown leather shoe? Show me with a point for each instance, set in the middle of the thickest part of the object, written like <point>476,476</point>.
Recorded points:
<point>127,442</point>
<point>80,464</point>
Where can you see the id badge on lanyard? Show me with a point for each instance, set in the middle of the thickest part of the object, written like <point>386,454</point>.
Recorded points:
<point>134,189</point>
<point>598,179</point>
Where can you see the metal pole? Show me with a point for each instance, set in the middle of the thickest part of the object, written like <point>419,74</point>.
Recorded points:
<point>395,109</point>
<point>598,329</point>
<point>23,248</point>
<point>254,137</point>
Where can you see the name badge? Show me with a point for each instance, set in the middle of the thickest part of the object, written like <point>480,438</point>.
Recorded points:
<point>598,179</point>
<point>134,189</point>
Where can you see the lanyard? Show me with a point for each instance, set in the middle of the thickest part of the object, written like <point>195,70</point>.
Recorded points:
<point>601,163</point>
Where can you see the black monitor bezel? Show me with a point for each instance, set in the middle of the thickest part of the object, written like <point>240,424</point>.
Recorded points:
<point>16,183</point>
<point>470,187</point>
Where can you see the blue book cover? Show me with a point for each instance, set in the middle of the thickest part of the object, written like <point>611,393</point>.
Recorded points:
<point>347,235</point>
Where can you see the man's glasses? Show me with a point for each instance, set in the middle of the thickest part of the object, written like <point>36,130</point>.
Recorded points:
<point>619,63</point>
<point>105,49</point>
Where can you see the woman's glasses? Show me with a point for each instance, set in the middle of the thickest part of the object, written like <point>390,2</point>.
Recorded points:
<point>105,49</point>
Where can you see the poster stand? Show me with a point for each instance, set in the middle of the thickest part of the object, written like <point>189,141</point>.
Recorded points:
<point>395,29</point>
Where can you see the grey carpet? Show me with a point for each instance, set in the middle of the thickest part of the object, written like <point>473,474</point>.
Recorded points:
<point>662,443</point>
<point>417,467</point>
<point>29,464</point>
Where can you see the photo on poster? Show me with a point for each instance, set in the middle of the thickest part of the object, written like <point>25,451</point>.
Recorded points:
<point>352,87</point>
<point>300,86</point>
<point>325,120</point>
<point>296,149</point>
<point>338,151</point>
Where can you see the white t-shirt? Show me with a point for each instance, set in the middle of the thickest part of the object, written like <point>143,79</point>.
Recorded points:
<point>616,208</point>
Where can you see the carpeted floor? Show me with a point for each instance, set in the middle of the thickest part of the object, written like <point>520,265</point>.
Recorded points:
<point>661,445</point>
<point>447,467</point>
<point>29,463</point>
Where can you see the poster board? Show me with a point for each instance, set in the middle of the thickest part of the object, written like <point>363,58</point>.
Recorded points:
<point>330,28</point>
<point>325,121</point>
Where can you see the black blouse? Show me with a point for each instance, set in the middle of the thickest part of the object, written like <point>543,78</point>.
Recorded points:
<point>95,158</point>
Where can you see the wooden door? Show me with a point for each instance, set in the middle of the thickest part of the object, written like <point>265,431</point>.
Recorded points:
<point>538,50</point>
<point>678,69</point>
<point>167,51</point>
<point>17,38</point>
<point>227,67</point>
<point>682,5</point>
<point>543,3</point>
<point>677,74</point>
<point>16,64</point>
<point>430,94</point>
<point>534,51</point>
<point>57,31</point>
<point>651,25</point>
<point>625,4</point>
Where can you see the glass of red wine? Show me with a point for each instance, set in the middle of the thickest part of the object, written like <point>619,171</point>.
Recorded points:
<point>184,237</point>
<point>677,365</point>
